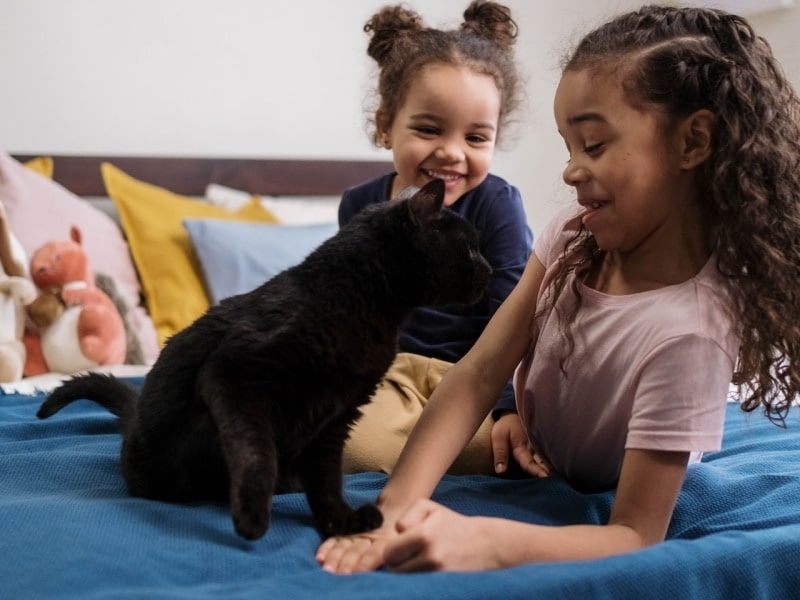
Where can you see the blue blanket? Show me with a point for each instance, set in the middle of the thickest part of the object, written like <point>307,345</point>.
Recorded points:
<point>68,528</point>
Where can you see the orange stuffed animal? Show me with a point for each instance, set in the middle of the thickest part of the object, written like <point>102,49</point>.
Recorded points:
<point>84,329</point>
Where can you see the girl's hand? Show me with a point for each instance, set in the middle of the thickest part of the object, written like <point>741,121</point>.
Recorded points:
<point>427,537</point>
<point>354,553</point>
<point>432,537</point>
<point>509,439</point>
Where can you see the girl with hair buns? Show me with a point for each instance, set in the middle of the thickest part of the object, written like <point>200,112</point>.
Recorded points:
<point>674,274</point>
<point>445,98</point>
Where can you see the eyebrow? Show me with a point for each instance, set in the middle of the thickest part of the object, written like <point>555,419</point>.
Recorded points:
<point>587,116</point>
<point>432,117</point>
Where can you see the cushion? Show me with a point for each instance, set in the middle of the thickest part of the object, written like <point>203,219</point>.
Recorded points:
<point>42,165</point>
<point>40,210</point>
<point>152,217</point>
<point>238,257</point>
<point>295,210</point>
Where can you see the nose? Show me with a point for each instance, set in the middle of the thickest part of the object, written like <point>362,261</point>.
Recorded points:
<point>575,173</point>
<point>449,150</point>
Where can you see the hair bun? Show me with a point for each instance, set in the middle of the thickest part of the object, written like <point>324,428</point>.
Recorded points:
<point>492,21</point>
<point>387,26</point>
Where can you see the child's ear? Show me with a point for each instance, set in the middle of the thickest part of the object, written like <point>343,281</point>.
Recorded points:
<point>697,132</point>
<point>382,126</point>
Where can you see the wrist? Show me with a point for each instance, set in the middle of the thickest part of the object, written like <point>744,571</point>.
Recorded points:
<point>391,510</point>
<point>499,413</point>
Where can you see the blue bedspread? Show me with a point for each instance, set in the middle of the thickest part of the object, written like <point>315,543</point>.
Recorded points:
<point>68,528</point>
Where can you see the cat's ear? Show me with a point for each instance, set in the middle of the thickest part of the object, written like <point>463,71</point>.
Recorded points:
<point>427,202</point>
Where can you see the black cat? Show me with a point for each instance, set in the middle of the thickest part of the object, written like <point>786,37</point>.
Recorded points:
<point>263,388</point>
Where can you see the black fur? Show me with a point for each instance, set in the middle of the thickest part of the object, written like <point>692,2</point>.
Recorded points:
<point>264,387</point>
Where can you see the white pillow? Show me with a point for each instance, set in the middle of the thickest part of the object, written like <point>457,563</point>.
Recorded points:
<point>290,210</point>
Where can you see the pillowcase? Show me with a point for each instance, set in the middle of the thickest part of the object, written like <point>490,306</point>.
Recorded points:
<point>40,211</point>
<point>238,257</point>
<point>170,274</point>
<point>42,165</point>
<point>294,210</point>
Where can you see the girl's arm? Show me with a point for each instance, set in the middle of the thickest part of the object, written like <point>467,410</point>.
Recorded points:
<point>453,414</point>
<point>433,537</point>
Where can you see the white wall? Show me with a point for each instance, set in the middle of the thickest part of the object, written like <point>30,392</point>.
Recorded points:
<point>261,78</point>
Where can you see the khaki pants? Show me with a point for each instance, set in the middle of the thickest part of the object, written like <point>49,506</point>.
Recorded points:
<point>380,434</point>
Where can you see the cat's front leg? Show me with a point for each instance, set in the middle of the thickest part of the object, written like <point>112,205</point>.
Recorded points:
<point>251,457</point>
<point>320,469</point>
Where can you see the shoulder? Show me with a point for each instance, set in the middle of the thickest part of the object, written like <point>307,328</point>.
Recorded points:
<point>493,188</point>
<point>358,196</point>
<point>716,307</point>
<point>552,240</point>
<point>692,323</point>
<point>373,190</point>
<point>494,203</point>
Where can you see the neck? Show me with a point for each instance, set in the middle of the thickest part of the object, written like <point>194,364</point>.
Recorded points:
<point>657,262</point>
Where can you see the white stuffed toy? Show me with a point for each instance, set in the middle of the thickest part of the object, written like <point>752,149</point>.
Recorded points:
<point>16,292</point>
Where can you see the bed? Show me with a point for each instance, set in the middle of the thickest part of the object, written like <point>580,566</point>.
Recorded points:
<point>70,529</point>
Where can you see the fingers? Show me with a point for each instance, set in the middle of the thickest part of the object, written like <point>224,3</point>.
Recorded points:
<point>531,462</point>
<point>500,450</point>
<point>325,547</point>
<point>408,552</point>
<point>365,552</point>
<point>350,554</point>
<point>501,445</point>
<point>403,555</point>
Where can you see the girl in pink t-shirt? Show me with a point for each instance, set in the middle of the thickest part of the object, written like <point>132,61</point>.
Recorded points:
<point>673,274</point>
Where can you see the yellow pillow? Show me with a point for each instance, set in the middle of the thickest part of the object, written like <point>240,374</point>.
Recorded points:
<point>169,269</point>
<point>42,165</point>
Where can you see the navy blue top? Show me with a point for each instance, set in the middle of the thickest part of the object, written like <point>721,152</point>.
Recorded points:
<point>495,208</point>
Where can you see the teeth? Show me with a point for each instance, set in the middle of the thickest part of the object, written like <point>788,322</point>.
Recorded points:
<point>440,176</point>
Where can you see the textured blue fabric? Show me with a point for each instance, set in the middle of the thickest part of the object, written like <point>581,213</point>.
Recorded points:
<point>237,256</point>
<point>70,530</point>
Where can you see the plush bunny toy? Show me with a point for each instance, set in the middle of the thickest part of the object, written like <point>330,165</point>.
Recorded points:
<point>16,291</point>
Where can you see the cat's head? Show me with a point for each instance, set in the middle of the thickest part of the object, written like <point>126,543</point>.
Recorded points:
<point>443,249</point>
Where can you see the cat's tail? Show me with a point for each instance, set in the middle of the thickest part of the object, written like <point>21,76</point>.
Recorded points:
<point>115,395</point>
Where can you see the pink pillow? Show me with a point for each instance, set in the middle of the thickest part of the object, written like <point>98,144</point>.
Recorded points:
<point>40,210</point>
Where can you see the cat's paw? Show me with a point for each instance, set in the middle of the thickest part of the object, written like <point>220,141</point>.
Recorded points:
<point>364,518</point>
<point>250,510</point>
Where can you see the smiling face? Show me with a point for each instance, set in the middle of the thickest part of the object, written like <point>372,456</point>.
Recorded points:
<point>446,128</point>
<point>628,168</point>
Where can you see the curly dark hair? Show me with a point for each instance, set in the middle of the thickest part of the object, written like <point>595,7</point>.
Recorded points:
<point>402,46</point>
<point>680,60</point>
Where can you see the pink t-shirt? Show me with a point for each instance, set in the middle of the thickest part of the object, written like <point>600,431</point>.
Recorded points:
<point>649,371</point>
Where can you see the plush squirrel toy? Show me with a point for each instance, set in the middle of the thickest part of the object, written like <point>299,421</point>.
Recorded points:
<point>79,327</point>
<point>16,291</point>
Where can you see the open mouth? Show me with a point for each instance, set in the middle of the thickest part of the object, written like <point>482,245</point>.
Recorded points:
<point>590,210</point>
<point>446,177</point>
<point>593,204</point>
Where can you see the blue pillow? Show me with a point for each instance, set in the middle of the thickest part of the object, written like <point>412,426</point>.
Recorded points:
<point>237,256</point>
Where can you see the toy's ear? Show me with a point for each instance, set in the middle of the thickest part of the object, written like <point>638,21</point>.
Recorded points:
<point>427,202</point>
<point>75,234</point>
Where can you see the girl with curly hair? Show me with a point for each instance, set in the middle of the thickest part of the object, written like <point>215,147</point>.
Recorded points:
<point>444,99</point>
<point>674,274</point>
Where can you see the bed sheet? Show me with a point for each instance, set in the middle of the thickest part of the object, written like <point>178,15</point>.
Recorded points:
<point>70,529</point>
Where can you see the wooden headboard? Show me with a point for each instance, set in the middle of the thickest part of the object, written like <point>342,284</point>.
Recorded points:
<point>189,176</point>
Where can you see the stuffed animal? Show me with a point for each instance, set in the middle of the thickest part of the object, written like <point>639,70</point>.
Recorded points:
<point>16,291</point>
<point>79,327</point>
